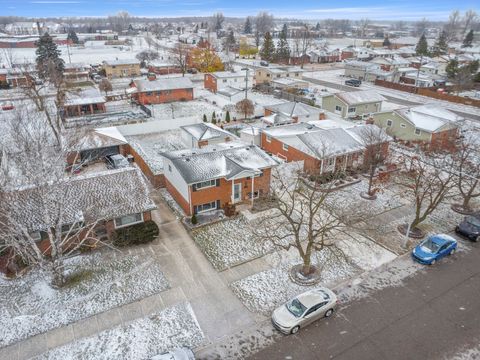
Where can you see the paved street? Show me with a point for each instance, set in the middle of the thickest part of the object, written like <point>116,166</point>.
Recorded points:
<point>434,314</point>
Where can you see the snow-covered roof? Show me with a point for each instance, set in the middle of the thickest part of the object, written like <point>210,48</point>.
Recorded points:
<point>101,138</point>
<point>292,109</point>
<point>163,84</point>
<point>84,97</point>
<point>429,117</point>
<point>229,74</point>
<point>105,195</point>
<point>121,62</point>
<point>360,97</point>
<point>289,81</point>
<point>206,131</point>
<point>225,160</point>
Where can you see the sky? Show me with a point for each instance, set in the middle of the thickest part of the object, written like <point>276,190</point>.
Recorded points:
<point>304,9</point>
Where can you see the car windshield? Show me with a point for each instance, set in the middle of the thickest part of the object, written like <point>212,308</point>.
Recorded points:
<point>296,307</point>
<point>430,246</point>
<point>472,220</point>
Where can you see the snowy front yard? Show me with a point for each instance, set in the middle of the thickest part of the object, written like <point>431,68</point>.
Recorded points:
<point>165,330</point>
<point>264,291</point>
<point>184,109</point>
<point>30,306</point>
<point>228,243</point>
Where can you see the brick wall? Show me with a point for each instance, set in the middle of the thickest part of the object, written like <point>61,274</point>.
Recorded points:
<point>210,83</point>
<point>444,140</point>
<point>161,97</point>
<point>275,147</point>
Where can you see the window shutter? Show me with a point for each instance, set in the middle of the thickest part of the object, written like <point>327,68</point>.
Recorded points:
<point>217,182</point>
<point>218,204</point>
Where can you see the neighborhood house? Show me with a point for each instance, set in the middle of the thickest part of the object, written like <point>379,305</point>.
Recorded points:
<point>353,104</point>
<point>162,91</point>
<point>121,68</point>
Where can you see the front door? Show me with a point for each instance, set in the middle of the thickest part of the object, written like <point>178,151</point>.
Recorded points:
<point>237,192</point>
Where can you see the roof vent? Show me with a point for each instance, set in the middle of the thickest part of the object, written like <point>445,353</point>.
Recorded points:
<point>187,159</point>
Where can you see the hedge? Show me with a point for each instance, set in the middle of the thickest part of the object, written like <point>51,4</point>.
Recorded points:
<point>136,234</point>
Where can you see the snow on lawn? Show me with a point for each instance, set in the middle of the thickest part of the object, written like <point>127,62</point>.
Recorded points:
<point>184,109</point>
<point>30,306</point>
<point>264,291</point>
<point>162,331</point>
<point>229,242</point>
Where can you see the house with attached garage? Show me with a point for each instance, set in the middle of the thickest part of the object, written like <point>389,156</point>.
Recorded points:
<point>266,74</point>
<point>220,80</point>
<point>102,201</point>
<point>324,146</point>
<point>203,134</point>
<point>353,104</point>
<point>291,112</point>
<point>427,123</point>
<point>147,92</point>
<point>217,176</point>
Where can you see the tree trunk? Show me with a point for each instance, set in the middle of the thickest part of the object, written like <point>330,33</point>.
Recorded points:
<point>58,277</point>
<point>307,265</point>
<point>370,180</point>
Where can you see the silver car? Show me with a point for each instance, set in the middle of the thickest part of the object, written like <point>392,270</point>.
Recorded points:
<point>304,309</point>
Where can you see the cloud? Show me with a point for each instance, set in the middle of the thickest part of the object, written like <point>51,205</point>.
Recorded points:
<point>54,2</point>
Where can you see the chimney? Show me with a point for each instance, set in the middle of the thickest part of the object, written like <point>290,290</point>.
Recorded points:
<point>322,116</point>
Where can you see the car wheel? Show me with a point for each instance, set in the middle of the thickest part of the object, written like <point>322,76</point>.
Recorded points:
<point>433,262</point>
<point>452,252</point>
<point>295,330</point>
<point>329,313</point>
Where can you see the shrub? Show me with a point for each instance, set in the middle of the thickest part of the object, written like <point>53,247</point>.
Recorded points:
<point>214,121</point>
<point>194,219</point>
<point>204,118</point>
<point>227,117</point>
<point>136,234</point>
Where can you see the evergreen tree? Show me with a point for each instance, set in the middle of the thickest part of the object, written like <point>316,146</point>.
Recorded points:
<point>72,35</point>
<point>441,46</point>
<point>227,117</point>
<point>283,49</point>
<point>467,42</point>
<point>452,68</point>
<point>247,29</point>
<point>204,118</point>
<point>422,46</point>
<point>214,118</point>
<point>267,52</point>
<point>50,65</point>
<point>386,42</point>
<point>317,27</point>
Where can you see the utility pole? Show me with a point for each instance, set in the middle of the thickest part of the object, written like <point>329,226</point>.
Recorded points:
<point>246,82</point>
<point>418,73</point>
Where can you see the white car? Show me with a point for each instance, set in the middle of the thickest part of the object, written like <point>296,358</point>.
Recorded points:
<point>177,354</point>
<point>304,309</point>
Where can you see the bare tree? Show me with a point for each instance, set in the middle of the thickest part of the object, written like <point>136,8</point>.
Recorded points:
<point>469,20</point>
<point>180,55</point>
<point>421,26</point>
<point>452,26</point>
<point>218,20</point>
<point>105,86</point>
<point>9,55</point>
<point>307,219</point>
<point>146,56</point>
<point>427,179</point>
<point>245,107</point>
<point>263,24</point>
<point>375,141</point>
<point>303,41</point>
<point>467,168</point>
<point>363,25</point>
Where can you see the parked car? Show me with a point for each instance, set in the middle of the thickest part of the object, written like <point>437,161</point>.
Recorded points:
<point>7,106</point>
<point>97,79</point>
<point>434,248</point>
<point>116,161</point>
<point>304,309</point>
<point>353,82</point>
<point>470,227</point>
<point>177,354</point>
<point>264,63</point>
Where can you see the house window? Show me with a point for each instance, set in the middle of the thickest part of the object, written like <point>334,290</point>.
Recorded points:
<point>159,93</point>
<point>338,108</point>
<point>297,74</point>
<point>352,110</point>
<point>330,161</point>
<point>225,80</point>
<point>128,220</point>
<point>403,125</point>
<point>389,123</point>
<point>285,147</point>
<point>205,184</point>
<point>149,93</point>
<point>170,168</point>
<point>417,131</point>
<point>36,236</point>
<point>205,207</point>
<point>255,195</point>
<point>268,138</point>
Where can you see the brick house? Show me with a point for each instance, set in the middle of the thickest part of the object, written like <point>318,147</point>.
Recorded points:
<point>162,91</point>
<point>217,176</point>
<point>121,68</point>
<point>106,200</point>
<point>353,104</point>
<point>291,112</point>
<point>161,68</point>
<point>265,75</point>
<point>224,79</point>
<point>203,134</point>
<point>15,77</point>
<point>323,149</point>
<point>427,123</point>
<point>87,101</point>
<point>76,72</point>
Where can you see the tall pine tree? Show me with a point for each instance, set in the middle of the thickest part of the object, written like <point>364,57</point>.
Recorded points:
<point>283,49</point>
<point>50,65</point>
<point>467,42</point>
<point>440,47</point>
<point>248,26</point>
<point>72,35</point>
<point>267,52</point>
<point>422,46</point>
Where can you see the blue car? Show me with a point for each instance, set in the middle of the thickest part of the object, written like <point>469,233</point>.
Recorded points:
<point>434,248</point>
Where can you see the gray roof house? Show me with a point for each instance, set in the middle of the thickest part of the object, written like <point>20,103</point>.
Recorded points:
<point>353,104</point>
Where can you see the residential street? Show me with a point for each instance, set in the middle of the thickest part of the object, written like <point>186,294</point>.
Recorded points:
<point>432,315</point>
